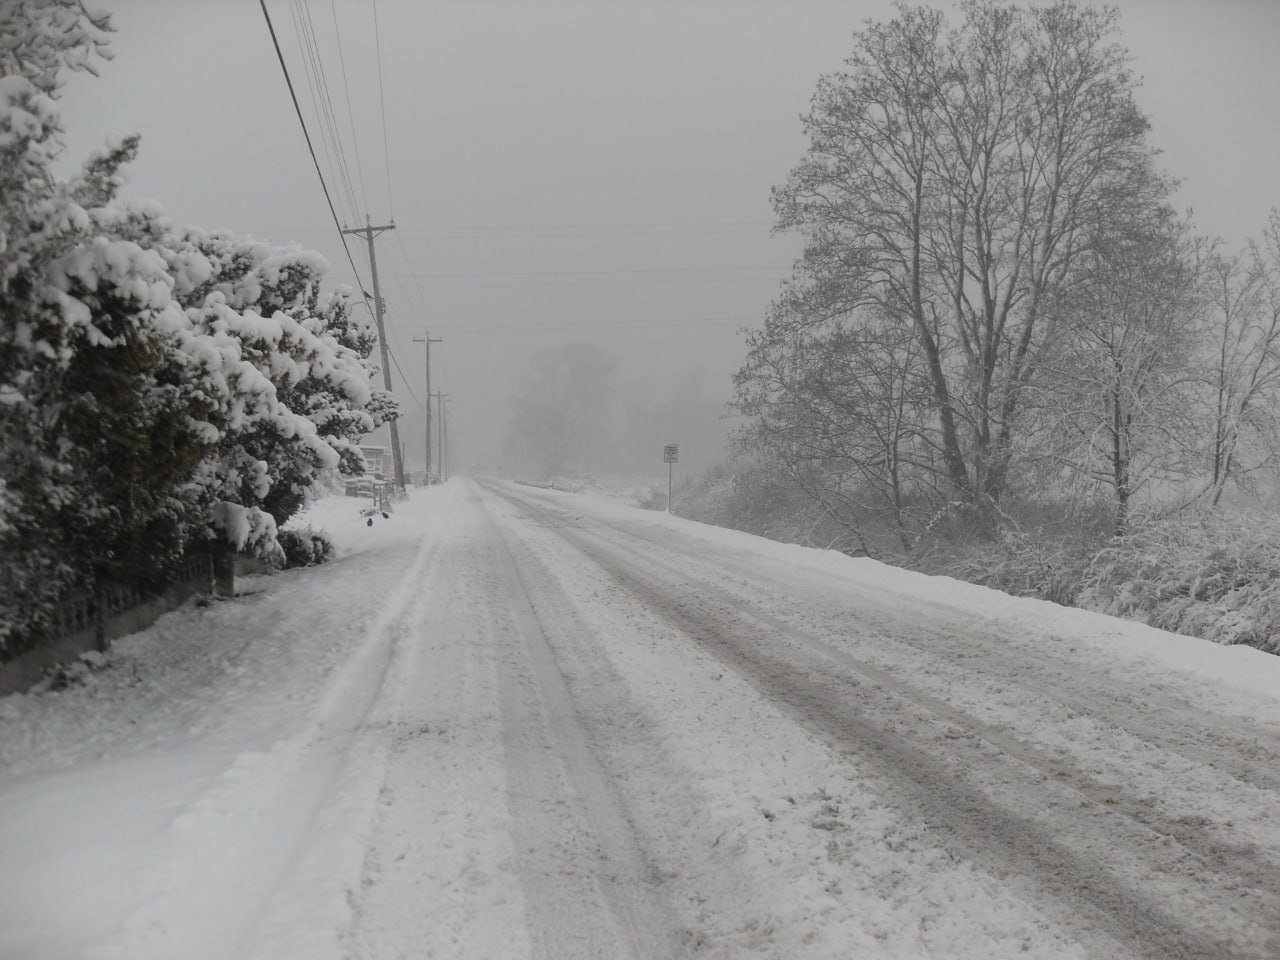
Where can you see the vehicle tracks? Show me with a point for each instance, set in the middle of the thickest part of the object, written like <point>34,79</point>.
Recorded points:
<point>592,890</point>
<point>1092,847</point>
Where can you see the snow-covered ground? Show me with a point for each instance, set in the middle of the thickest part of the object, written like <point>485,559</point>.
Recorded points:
<point>510,722</point>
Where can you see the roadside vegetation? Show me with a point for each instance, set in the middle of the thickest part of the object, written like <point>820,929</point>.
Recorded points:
<point>1206,571</point>
<point>1004,355</point>
<point>163,390</point>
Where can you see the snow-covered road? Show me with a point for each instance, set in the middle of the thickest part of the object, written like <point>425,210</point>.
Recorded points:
<point>519,723</point>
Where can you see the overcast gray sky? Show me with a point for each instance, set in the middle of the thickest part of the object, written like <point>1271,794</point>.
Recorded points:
<point>594,171</point>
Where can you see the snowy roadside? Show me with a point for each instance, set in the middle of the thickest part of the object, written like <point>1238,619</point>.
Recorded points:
<point>510,722</point>
<point>149,811</point>
<point>1213,665</point>
<point>1061,744</point>
<point>770,844</point>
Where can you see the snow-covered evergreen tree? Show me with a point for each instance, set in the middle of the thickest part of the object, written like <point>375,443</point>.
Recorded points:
<point>160,389</point>
<point>313,351</point>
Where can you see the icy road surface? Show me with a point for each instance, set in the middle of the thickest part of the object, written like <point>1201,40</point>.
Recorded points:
<point>518,723</point>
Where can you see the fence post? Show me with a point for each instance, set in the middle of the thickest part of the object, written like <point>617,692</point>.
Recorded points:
<point>100,618</point>
<point>224,571</point>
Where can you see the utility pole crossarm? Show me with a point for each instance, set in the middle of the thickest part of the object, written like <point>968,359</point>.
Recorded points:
<point>364,231</point>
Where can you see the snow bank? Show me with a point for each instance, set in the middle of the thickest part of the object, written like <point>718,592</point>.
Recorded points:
<point>1238,667</point>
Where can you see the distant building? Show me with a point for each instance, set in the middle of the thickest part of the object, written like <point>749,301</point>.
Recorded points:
<point>377,461</point>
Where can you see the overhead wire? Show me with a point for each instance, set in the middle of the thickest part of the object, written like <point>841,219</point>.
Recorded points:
<point>391,327</point>
<point>579,231</point>
<point>405,380</point>
<point>675,225</point>
<point>641,228</point>
<point>386,158</point>
<point>314,65</point>
<point>417,287</point>
<point>335,176</point>
<point>346,87</point>
<point>333,114</point>
<point>525,274</point>
<point>320,90</point>
<point>293,96</point>
<point>563,285</point>
<point>310,146</point>
<point>382,102</point>
<point>592,324</point>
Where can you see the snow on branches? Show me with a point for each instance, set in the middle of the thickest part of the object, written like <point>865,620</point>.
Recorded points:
<point>160,388</point>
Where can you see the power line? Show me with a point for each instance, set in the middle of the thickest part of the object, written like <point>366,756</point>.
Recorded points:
<point>325,147</point>
<point>314,65</point>
<point>310,147</point>
<point>395,362</point>
<point>510,326</point>
<point>403,379</point>
<point>416,289</point>
<point>328,99</point>
<point>554,284</point>
<point>574,231</point>
<point>386,152</point>
<point>525,274</point>
<point>328,119</point>
<point>663,225</point>
<point>355,138</point>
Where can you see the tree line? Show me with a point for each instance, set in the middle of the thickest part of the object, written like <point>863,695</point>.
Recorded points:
<point>997,300</point>
<point>162,390</point>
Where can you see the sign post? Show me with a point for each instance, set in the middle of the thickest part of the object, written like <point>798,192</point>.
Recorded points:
<point>671,454</point>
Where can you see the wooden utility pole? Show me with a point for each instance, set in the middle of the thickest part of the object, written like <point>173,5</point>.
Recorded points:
<point>440,437</point>
<point>444,448</point>
<point>427,341</point>
<point>369,231</point>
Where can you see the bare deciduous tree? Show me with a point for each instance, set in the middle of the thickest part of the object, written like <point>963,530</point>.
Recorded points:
<point>952,181</point>
<point>1123,381</point>
<point>842,410</point>
<point>1243,353</point>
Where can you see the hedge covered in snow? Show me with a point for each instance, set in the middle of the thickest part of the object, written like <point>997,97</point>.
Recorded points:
<point>161,389</point>
<point>1217,578</point>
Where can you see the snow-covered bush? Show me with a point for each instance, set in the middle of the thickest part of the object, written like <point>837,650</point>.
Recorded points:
<point>652,497</point>
<point>77,331</point>
<point>161,390</point>
<point>747,493</point>
<point>302,358</point>
<point>306,547</point>
<point>1021,564</point>
<point>1217,578</point>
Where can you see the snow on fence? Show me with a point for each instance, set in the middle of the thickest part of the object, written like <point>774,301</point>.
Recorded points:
<point>90,620</point>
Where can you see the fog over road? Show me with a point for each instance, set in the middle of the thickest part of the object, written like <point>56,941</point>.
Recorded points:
<point>525,723</point>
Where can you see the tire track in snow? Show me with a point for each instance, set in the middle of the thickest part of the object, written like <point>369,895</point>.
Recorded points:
<point>590,887</point>
<point>1224,841</point>
<point>1213,751</point>
<point>1250,755</point>
<point>1222,857</point>
<point>438,876</point>
<point>294,806</point>
<point>1110,903</point>
<point>1080,871</point>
